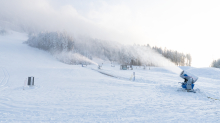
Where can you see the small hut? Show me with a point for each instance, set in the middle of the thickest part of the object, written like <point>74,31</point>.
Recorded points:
<point>123,67</point>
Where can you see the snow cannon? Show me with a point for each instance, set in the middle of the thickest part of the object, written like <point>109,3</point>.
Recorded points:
<point>190,79</point>
<point>99,66</point>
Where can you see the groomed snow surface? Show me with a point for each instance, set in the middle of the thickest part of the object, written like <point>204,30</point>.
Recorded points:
<point>72,93</point>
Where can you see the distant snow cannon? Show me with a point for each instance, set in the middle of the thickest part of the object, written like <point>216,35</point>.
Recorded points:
<point>84,65</point>
<point>190,79</point>
<point>99,66</point>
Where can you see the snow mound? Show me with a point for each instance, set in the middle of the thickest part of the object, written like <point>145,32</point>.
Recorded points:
<point>212,73</point>
<point>186,68</point>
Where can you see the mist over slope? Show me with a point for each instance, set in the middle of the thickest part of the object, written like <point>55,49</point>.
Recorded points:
<point>73,50</point>
<point>43,15</point>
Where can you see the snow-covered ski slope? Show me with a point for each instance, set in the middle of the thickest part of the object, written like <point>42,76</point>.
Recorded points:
<point>72,93</point>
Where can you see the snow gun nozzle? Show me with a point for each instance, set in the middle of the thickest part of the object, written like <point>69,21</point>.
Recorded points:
<point>181,73</point>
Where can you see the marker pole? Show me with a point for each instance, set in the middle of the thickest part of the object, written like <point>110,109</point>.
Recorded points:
<point>134,76</point>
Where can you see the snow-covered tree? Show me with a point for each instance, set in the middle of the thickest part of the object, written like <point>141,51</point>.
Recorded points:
<point>216,63</point>
<point>60,43</point>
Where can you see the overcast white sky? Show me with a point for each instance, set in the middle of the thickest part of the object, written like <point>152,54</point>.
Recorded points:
<point>188,26</point>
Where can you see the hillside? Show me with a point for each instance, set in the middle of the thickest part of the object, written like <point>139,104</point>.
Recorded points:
<point>72,93</point>
<point>68,49</point>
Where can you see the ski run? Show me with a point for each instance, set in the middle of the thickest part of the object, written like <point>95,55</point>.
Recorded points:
<point>72,93</point>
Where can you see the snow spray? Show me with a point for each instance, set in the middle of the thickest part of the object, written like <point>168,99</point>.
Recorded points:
<point>148,55</point>
<point>71,58</point>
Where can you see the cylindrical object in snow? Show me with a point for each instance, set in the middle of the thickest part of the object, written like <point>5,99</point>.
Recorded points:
<point>31,81</point>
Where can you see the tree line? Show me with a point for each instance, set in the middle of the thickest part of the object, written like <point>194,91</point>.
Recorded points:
<point>62,43</point>
<point>216,63</point>
<point>180,59</point>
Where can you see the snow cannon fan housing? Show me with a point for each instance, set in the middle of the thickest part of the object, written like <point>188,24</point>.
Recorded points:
<point>187,76</point>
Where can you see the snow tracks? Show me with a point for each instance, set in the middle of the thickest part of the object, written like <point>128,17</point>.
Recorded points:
<point>4,76</point>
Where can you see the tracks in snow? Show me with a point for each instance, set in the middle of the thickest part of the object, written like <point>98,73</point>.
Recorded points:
<point>5,79</point>
<point>111,75</point>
